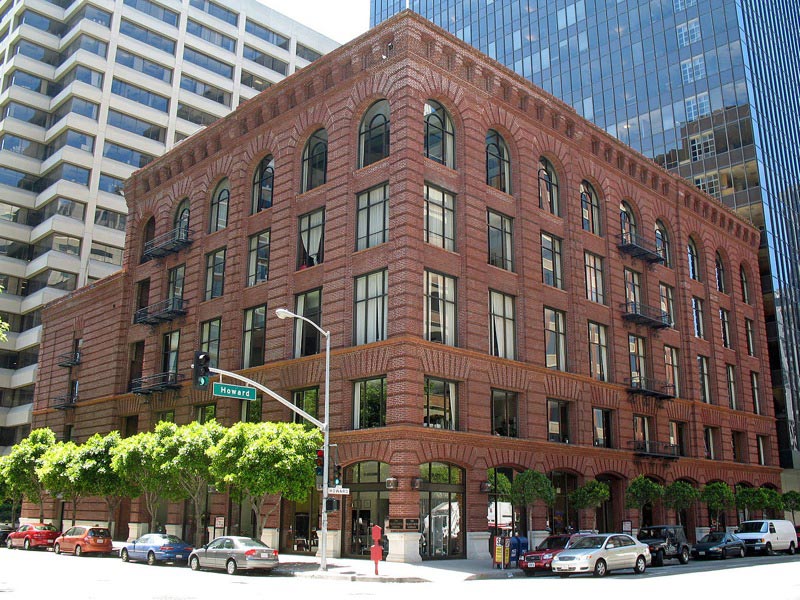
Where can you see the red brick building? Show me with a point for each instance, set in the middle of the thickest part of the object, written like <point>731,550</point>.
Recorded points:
<point>506,286</point>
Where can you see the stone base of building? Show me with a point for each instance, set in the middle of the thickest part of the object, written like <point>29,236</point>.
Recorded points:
<point>137,530</point>
<point>535,536</point>
<point>403,547</point>
<point>271,537</point>
<point>334,548</point>
<point>478,544</point>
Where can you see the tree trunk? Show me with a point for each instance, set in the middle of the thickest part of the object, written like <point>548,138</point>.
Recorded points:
<point>112,502</point>
<point>74,509</point>
<point>198,520</point>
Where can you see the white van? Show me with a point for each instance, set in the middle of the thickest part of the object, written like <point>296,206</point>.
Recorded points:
<point>768,535</point>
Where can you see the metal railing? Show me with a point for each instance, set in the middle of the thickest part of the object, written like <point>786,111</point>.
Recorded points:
<point>166,310</point>
<point>69,359</point>
<point>164,244</point>
<point>149,384</point>
<point>65,401</point>
<point>639,247</point>
<point>652,448</point>
<point>646,315</point>
<point>646,386</point>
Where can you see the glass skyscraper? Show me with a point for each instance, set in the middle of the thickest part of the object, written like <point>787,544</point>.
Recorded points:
<point>706,88</point>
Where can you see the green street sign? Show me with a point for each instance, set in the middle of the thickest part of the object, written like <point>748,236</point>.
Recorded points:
<point>226,390</point>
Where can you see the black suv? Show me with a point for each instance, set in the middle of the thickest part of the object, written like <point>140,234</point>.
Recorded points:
<point>666,541</point>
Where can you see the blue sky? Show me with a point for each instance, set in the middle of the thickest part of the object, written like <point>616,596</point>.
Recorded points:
<point>341,20</point>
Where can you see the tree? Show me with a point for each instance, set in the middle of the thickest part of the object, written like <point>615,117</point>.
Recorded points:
<point>100,478</point>
<point>9,493</point>
<point>186,460</point>
<point>718,496</point>
<point>590,495</point>
<point>680,496</point>
<point>641,492</point>
<point>21,464</point>
<point>500,484</point>
<point>530,486</point>
<point>61,475</point>
<point>750,498</point>
<point>262,459</point>
<point>772,500</point>
<point>791,502</point>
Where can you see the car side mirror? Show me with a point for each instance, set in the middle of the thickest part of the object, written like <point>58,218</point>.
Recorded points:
<point>205,546</point>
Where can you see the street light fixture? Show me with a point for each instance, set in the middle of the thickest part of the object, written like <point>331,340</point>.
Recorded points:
<point>283,313</point>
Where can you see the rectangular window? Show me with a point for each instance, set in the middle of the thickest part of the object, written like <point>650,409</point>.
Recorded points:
<point>440,218</point>
<point>206,413</point>
<point>137,126</point>
<point>667,298</point>
<point>710,435</point>
<point>170,347</point>
<point>441,403</point>
<point>598,352</point>
<point>593,267</point>
<point>730,381</point>
<point>154,10</point>
<point>641,432</point>
<point>697,318</point>
<point>257,82</point>
<point>633,291</point>
<point>754,386</point>
<point>165,416</point>
<point>705,383</point>
<point>151,38</point>
<point>213,37</point>
<point>307,400</point>
<point>371,307</point>
<point>140,95</point>
<point>557,421</point>
<point>251,411</point>
<point>502,330</point>
<point>673,370</point>
<point>216,10</point>
<point>258,258</point>
<point>739,446</point>
<point>254,338</point>
<point>311,242</point>
<point>265,60</point>
<point>601,427</point>
<point>129,156</point>
<point>215,274</point>
<point>637,356</point>
<point>106,253</point>
<point>372,228</point>
<point>709,184</point>
<point>306,337</point>
<point>501,241</point>
<point>369,403</point>
<point>175,278</point>
<point>504,413</point>
<point>267,34</point>
<point>677,437</point>
<point>551,261</point>
<point>307,53</point>
<point>702,146</point>
<point>206,90</point>
<point>725,324</point>
<point>440,308</point>
<point>555,339</point>
<point>761,443</point>
<point>209,339</point>
<point>693,69</point>
<point>750,334</point>
<point>207,62</point>
<point>195,115</point>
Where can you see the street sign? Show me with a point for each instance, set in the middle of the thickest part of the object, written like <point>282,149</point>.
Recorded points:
<point>339,491</point>
<point>226,390</point>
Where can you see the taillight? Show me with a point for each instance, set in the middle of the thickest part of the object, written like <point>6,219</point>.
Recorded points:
<point>189,549</point>
<point>275,553</point>
<point>166,548</point>
<point>250,552</point>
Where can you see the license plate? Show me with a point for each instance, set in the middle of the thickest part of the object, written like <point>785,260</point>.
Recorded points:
<point>101,541</point>
<point>702,553</point>
<point>265,555</point>
<point>179,556</point>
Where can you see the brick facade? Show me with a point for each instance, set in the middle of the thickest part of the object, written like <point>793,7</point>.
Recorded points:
<point>408,61</point>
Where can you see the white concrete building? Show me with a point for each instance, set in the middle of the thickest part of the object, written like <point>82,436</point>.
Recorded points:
<point>91,91</point>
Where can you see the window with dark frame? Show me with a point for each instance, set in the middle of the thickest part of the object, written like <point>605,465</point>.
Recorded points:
<point>315,161</point>
<point>254,336</point>
<point>502,327</point>
<point>551,261</point>
<point>311,239</point>
<point>598,351</point>
<point>369,403</point>
<point>558,421</point>
<point>548,188</point>
<point>215,274</point>
<point>372,227</point>
<point>439,134</point>
<point>373,135</point>
<point>263,182</point>
<point>504,413</point>
<point>501,240</point>
<point>307,339</point>
<point>498,165</point>
<point>555,336</point>
<point>210,333</point>
<point>440,308</point>
<point>258,258</point>
<point>370,317</point>
<point>441,402</point>
<point>306,399</point>
<point>219,207</point>
<point>440,218</point>
<point>601,421</point>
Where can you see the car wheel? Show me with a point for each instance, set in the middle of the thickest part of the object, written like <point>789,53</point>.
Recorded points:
<point>640,566</point>
<point>600,568</point>
<point>791,550</point>
<point>124,555</point>
<point>684,557</point>
<point>230,567</point>
<point>151,558</point>
<point>27,544</point>
<point>724,554</point>
<point>194,563</point>
<point>741,552</point>
<point>768,550</point>
<point>57,548</point>
<point>9,543</point>
<point>658,559</point>
<point>78,550</point>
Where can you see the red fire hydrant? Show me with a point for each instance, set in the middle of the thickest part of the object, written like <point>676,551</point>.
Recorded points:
<point>376,550</point>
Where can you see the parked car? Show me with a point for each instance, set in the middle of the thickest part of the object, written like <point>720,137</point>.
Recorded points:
<point>4,531</point>
<point>665,542</point>
<point>599,554</point>
<point>768,535</point>
<point>156,548</point>
<point>84,540</point>
<point>541,557</point>
<point>32,535</point>
<point>718,544</point>
<point>797,531</point>
<point>234,554</point>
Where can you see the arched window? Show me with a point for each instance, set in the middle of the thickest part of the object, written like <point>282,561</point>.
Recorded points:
<point>745,285</point>
<point>662,244</point>
<point>373,135</point>
<point>590,208</point>
<point>548,188</point>
<point>148,233</point>
<point>218,217</point>
<point>439,134</point>
<point>315,160</point>
<point>263,179</point>
<point>498,167</point>
<point>719,270</point>
<point>181,222</point>
<point>694,260</point>
<point>627,223</point>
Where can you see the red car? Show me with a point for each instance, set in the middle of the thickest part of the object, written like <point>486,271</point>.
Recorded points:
<point>83,540</point>
<point>32,535</point>
<point>541,558</point>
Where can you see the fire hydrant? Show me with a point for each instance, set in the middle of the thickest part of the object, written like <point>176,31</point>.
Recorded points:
<point>376,550</point>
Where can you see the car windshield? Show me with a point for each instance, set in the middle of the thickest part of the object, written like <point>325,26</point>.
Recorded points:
<point>753,527</point>
<point>713,537</point>
<point>99,532</point>
<point>554,543</point>
<point>45,528</point>
<point>250,543</point>
<point>589,542</point>
<point>172,539</point>
<point>650,533</point>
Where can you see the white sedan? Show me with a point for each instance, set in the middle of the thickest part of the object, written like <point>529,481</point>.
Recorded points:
<point>599,554</point>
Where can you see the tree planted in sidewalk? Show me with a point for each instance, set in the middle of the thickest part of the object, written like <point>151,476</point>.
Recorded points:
<point>717,496</point>
<point>529,487</point>
<point>21,464</point>
<point>642,491</point>
<point>750,499</point>
<point>680,496</point>
<point>590,495</point>
<point>8,492</point>
<point>61,474</point>
<point>791,502</point>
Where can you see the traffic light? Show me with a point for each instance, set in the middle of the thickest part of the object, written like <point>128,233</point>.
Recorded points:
<point>337,475</point>
<point>331,504</point>
<point>319,463</point>
<point>201,376</point>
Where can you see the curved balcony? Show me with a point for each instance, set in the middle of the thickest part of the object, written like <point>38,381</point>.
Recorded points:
<point>638,246</point>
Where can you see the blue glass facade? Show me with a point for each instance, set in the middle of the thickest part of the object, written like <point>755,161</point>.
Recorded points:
<point>706,88</point>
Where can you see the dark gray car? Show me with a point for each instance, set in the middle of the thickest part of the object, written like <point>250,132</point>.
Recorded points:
<point>233,554</point>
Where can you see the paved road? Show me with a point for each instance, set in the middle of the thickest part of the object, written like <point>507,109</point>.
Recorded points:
<point>34,575</point>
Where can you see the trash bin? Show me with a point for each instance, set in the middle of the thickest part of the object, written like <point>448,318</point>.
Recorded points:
<point>514,549</point>
<point>523,548</point>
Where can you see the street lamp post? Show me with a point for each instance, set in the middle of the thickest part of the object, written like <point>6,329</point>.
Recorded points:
<point>282,313</point>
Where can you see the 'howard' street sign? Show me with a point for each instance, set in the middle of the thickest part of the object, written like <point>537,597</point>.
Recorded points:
<point>226,390</point>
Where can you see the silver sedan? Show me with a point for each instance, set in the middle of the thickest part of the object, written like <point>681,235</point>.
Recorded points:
<point>234,553</point>
<point>599,554</point>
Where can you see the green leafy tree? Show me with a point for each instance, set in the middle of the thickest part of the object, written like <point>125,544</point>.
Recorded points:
<point>100,478</point>
<point>772,500</point>
<point>590,495</point>
<point>750,499</point>
<point>264,459</point>
<point>187,462</point>
<point>21,464</point>
<point>9,493</point>
<point>529,487</point>
<point>61,475</point>
<point>642,491</point>
<point>499,484</point>
<point>717,496</point>
<point>791,502</point>
<point>680,496</point>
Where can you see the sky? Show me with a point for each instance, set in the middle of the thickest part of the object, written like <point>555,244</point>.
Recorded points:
<point>340,20</point>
